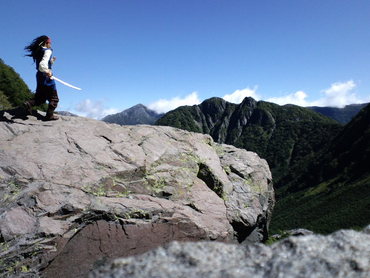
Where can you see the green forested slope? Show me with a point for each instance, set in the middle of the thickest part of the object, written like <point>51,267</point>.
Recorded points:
<point>13,90</point>
<point>333,190</point>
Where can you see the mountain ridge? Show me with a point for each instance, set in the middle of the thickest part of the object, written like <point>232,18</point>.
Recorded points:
<point>283,135</point>
<point>343,115</point>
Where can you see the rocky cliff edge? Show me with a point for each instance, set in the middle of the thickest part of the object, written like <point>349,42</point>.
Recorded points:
<point>76,192</point>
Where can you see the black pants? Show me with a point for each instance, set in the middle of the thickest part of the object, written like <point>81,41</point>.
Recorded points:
<point>43,94</point>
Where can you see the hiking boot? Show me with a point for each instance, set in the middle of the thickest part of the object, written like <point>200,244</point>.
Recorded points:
<point>28,107</point>
<point>51,117</point>
<point>50,114</point>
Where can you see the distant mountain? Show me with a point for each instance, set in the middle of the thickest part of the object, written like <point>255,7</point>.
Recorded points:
<point>283,135</point>
<point>342,115</point>
<point>66,113</point>
<point>333,190</point>
<point>138,114</point>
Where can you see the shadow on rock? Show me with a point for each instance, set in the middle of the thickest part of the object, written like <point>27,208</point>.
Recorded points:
<point>18,113</point>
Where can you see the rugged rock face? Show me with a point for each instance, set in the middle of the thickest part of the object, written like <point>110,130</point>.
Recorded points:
<point>76,192</point>
<point>343,254</point>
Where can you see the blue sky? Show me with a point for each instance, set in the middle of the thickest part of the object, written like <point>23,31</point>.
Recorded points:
<point>166,53</point>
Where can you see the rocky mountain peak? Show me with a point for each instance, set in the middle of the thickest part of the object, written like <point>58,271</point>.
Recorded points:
<point>249,101</point>
<point>138,114</point>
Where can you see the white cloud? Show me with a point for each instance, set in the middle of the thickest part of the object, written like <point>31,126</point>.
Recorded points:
<point>238,96</point>
<point>298,98</point>
<point>93,109</point>
<point>339,94</point>
<point>165,105</point>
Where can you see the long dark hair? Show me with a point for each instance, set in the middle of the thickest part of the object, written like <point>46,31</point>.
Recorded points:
<point>35,46</point>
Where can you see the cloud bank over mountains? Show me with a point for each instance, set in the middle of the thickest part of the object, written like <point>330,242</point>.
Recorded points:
<point>339,94</point>
<point>165,105</point>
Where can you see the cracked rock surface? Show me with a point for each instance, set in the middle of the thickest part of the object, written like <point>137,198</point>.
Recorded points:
<point>76,193</point>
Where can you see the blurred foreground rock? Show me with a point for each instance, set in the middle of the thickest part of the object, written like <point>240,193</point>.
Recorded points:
<point>343,254</point>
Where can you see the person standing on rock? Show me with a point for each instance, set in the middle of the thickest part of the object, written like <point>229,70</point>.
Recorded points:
<point>41,52</point>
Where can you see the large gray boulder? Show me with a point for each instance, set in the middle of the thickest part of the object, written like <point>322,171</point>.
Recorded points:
<point>76,192</point>
<point>343,254</point>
